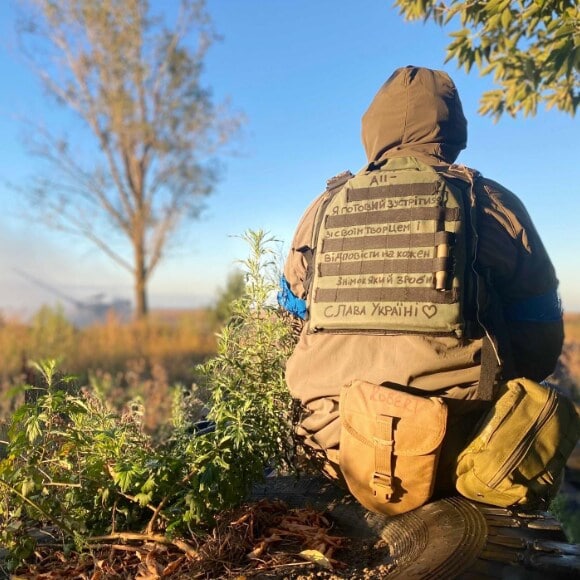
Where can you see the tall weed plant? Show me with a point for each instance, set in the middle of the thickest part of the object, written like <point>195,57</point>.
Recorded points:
<point>250,404</point>
<point>75,469</point>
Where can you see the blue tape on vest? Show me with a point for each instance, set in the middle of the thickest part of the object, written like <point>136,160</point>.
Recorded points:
<point>544,308</point>
<point>289,301</point>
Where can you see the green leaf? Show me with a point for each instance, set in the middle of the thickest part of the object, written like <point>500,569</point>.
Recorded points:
<point>143,499</point>
<point>506,18</point>
<point>33,428</point>
<point>149,485</point>
<point>123,476</point>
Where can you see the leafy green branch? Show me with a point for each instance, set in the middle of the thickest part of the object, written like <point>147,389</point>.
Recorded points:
<point>531,47</point>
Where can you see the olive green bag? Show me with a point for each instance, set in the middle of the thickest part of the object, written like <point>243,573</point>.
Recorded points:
<point>520,450</point>
<point>390,442</point>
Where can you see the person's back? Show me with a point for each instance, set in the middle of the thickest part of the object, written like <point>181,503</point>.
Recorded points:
<point>417,116</point>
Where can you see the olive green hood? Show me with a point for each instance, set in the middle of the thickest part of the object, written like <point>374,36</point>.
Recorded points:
<point>416,112</point>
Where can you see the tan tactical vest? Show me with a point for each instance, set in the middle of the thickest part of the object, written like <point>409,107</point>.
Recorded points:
<point>394,250</point>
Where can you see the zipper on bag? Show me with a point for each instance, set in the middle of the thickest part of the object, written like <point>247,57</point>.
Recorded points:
<point>521,451</point>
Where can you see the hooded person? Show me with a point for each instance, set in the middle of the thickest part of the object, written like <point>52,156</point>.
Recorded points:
<point>417,115</point>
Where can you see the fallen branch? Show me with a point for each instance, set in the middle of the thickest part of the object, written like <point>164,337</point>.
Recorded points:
<point>119,547</point>
<point>157,538</point>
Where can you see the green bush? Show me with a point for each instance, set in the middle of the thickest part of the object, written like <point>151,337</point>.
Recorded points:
<point>74,466</point>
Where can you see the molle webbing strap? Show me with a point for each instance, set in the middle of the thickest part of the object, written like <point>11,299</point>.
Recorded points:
<point>387,241</point>
<point>395,215</point>
<point>379,267</point>
<point>384,294</point>
<point>392,190</point>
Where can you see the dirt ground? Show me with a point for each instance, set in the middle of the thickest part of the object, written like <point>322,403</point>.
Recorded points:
<point>265,539</point>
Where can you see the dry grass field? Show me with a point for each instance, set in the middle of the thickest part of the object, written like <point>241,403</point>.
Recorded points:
<point>122,359</point>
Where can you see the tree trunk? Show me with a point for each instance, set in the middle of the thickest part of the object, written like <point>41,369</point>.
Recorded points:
<point>141,304</point>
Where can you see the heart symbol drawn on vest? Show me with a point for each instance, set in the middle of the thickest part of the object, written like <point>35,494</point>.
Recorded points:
<point>429,310</point>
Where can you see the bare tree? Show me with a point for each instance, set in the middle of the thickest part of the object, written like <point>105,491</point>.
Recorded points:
<point>135,83</point>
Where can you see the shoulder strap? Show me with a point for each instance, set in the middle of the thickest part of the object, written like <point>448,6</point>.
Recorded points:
<point>336,182</point>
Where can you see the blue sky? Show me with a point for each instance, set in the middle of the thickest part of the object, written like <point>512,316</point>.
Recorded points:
<point>303,72</point>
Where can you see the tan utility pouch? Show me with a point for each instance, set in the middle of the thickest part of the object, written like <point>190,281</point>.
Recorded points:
<point>519,452</point>
<point>389,446</point>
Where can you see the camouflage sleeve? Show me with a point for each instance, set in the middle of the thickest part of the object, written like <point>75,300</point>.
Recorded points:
<point>522,275</point>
